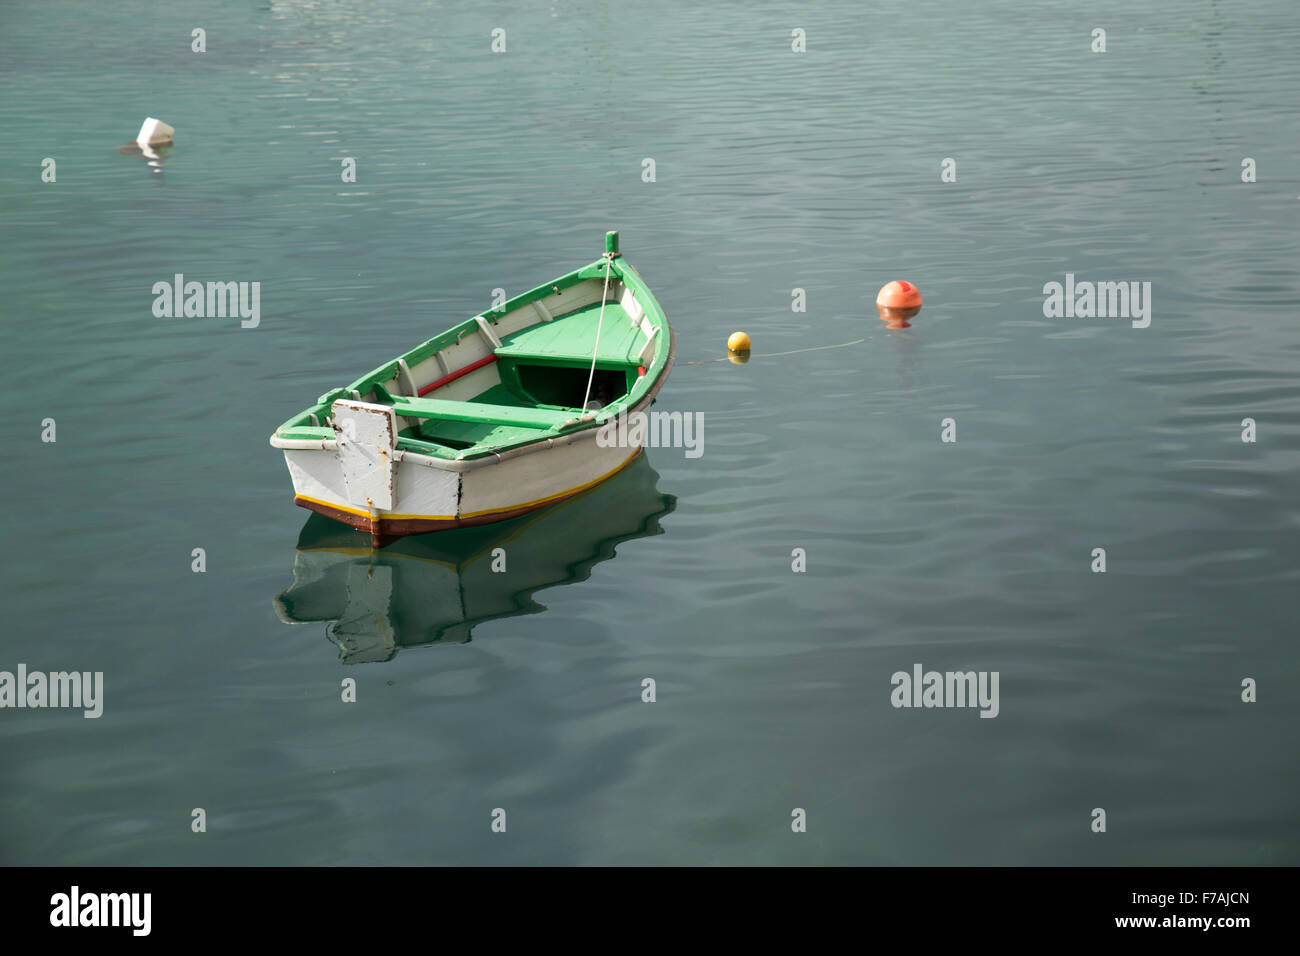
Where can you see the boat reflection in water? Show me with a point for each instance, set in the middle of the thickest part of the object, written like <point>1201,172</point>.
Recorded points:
<point>434,588</point>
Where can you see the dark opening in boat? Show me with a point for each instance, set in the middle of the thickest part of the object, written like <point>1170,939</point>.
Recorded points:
<point>565,387</point>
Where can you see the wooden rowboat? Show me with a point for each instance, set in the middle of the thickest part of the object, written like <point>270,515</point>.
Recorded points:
<point>492,419</point>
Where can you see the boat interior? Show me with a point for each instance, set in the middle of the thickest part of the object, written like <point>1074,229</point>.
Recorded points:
<point>505,379</point>
<point>536,382</point>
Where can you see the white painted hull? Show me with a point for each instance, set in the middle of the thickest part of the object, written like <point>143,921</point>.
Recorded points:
<point>430,494</point>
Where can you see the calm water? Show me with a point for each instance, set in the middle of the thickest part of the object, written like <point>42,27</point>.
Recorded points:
<point>774,171</point>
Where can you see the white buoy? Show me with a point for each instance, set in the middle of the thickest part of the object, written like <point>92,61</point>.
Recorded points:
<point>154,132</point>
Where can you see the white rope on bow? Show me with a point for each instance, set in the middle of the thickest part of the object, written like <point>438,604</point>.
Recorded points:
<point>600,322</point>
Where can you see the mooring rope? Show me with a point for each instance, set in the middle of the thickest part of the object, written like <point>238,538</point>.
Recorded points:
<point>815,348</point>
<point>603,296</point>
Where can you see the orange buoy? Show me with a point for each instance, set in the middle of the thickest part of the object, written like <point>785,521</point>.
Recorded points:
<point>897,302</point>
<point>899,295</point>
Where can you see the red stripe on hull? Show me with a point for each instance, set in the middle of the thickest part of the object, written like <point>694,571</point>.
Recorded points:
<point>387,530</point>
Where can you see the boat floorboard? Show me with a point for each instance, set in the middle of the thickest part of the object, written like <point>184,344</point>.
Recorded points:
<point>481,437</point>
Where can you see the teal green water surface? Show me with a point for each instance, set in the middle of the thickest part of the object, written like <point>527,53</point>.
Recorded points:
<point>774,170</point>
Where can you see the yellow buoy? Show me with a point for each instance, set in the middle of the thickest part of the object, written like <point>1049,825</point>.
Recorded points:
<point>739,342</point>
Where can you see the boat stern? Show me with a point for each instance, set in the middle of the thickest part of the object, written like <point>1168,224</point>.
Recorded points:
<point>361,479</point>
